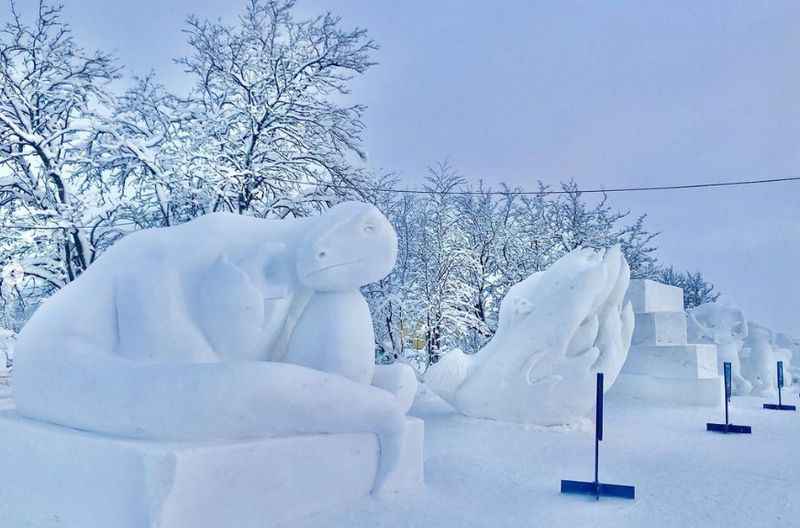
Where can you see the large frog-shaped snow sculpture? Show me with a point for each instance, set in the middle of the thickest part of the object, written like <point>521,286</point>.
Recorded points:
<point>723,324</point>
<point>557,329</point>
<point>223,328</point>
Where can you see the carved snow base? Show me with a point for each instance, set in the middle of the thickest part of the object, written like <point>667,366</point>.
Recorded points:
<point>661,367</point>
<point>690,392</point>
<point>673,361</point>
<point>58,477</point>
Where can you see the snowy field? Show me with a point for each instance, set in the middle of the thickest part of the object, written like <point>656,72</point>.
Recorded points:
<point>483,473</point>
<point>492,474</point>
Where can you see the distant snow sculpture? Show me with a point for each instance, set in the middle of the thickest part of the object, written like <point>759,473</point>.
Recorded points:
<point>759,359</point>
<point>557,329</point>
<point>722,324</point>
<point>790,346</point>
<point>224,328</point>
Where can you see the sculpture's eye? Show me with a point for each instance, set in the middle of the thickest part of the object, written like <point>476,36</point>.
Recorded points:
<point>369,229</point>
<point>522,306</point>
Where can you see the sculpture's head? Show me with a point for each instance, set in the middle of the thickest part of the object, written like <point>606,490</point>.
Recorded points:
<point>718,322</point>
<point>557,329</point>
<point>350,245</point>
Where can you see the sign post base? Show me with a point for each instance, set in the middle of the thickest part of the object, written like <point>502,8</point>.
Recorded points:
<point>779,407</point>
<point>598,489</point>
<point>728,428</point>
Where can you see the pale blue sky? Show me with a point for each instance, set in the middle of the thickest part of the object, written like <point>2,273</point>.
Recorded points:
<point>608,93</point>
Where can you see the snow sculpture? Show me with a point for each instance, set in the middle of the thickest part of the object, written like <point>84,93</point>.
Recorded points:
<point>723,324</point>
<point>557,329</point>
<point>222,329</point>
<point>759,359</point>
<point>789,347</point>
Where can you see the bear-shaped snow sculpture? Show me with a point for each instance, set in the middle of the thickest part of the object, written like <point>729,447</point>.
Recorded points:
<point>759,359</point>
<point>557,329</point>
<point>722,324</point>
<point>223,328</point>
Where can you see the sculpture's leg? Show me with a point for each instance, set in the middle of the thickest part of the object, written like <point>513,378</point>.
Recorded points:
<point>150,317</point>
<point>730,352</point>
<point>740,385</point>
<point>201,401</point>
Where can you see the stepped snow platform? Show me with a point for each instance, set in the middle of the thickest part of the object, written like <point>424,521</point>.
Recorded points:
<point>63,478</point>
<point>661,365</point>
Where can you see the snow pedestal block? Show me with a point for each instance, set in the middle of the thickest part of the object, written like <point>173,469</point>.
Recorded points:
<point>648,296</point>
<point>660,328</point>
<point>705,392</point>
<point>661,367</point>
<point>58,477</point>
<point>674,361</point>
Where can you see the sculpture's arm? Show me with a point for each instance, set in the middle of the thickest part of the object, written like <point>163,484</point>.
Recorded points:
<point>201,401</point>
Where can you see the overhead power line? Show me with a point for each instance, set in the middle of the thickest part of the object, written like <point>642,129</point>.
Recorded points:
<point>706,185</point>
<point>546,192</point>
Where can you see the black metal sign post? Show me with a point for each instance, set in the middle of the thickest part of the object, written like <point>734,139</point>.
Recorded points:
<point>780,406</point>
<point>728,427</point>
<point>596,487</point>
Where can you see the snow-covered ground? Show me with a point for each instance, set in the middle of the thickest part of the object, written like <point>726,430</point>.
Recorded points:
<point>493,474</point>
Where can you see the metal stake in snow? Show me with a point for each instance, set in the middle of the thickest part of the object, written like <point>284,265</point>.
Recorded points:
<point>780,406</point>
<point>596,487</point>
<point>728,427</point>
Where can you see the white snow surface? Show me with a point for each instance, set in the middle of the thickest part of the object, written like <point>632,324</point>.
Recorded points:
<point>485,473</point>
<point>224,328</point>
<point>557,329</point>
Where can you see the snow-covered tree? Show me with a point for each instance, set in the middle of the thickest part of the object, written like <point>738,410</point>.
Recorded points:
<point>145,153</point>
<point>391,299</point>
<point>442,264</point>
<point>696,290</point>
<point>484,220</point>
<point>266,99</point>
<point>51,93</point>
